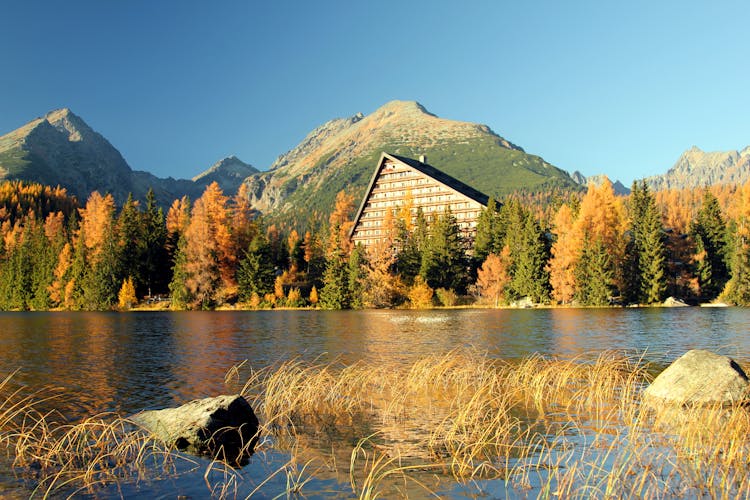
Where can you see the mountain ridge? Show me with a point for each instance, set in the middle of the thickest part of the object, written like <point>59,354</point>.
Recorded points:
<point>341,153</point>
<point>697,168</point>
<point>60,148</point>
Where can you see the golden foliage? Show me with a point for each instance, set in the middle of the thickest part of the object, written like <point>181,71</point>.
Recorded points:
<point>420,294</point>
<point>565,253</point>
<point>126,298</point>
<point>341,224</point>
<point>494,276</point>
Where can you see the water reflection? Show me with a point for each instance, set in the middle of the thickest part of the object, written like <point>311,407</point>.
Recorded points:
<point>127,362</point>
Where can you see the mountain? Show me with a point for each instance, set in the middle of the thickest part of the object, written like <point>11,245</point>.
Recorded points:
<point>229,173</point>
<point>697,168</point>
<point>61,149</point>
<point>597,180</point>
<point>342,153</point>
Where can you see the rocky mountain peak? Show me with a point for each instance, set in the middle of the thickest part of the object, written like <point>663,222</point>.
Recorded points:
<point>698,168</point>
<point>68,123</point>
<point>231,166</point>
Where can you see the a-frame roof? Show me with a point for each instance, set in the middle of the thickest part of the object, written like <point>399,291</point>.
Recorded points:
<point>426,169</point>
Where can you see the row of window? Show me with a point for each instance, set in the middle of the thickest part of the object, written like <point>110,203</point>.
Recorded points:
<point>367,218</point>
<point>368,233</point>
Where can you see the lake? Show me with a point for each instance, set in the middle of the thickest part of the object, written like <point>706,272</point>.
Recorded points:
<point>126,362</point>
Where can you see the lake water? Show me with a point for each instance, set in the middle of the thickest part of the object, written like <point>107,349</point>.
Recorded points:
<point>134,361</point>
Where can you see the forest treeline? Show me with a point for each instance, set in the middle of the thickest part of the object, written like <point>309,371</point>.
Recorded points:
<point>592,248</point>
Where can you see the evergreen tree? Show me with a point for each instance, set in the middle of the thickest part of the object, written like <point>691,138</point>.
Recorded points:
<point>45,251</point>
<point>178,290</point>
<point>594,275</point>
<point>489,235</point>
<point>412,244</point>
<point>155,259</point>
<point>357,276</point>
<point>709,232</point>
<point>335,291</point>
<point>132,246</point>
<point>646,279</point>
<point>652,259</point>
<point>256,272</point>
<point>443,260</point>
<point>529,254</point>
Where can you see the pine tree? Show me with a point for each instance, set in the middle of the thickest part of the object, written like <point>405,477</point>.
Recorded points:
<point>529,254</point>
<point>646,281</point>
<point>132,247</point>
<point>489,233</point>
<point>180,294</point>
<point>335,291</point>
<point>594,275</point>
<point>256,271</point>
<point>409,259</point>
<point>154,249</point>
<point>444,260</point>
<point>357,276</point>
<point>709,232</point>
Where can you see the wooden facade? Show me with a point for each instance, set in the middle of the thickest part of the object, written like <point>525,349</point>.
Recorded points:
<point>398,182</point>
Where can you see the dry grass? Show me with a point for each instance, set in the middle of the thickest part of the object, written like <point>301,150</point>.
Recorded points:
<point>542,427</point>
<point>572,428</point>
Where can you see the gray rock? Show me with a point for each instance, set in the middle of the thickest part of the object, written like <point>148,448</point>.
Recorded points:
<point>523,303</point>
<point>700,377</point>
<point>224,427</point>
<point>674,302</point>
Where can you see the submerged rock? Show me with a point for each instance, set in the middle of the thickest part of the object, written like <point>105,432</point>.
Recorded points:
<point>700,377</point>
<point>224,427</point>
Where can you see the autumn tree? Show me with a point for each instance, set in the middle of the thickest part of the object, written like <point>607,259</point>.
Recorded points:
<point>601,225</point>
<point>341,223</point>
<point>207,263</point>
<point>97,266</point>
<point>336,293</point>
<point>737,289</point>
<point>494,275</point>
<point>566,251</point>
<point>126,297</point>
<point>420,294</point>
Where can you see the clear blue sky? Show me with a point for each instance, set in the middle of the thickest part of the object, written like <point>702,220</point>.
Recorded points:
<point>620,88</point>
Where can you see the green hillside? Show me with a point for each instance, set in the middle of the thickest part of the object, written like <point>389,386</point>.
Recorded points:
<point>481,163</point>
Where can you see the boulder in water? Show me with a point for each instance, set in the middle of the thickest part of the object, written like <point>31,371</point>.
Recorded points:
<point>223,427</point>
<point>700,377</point>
